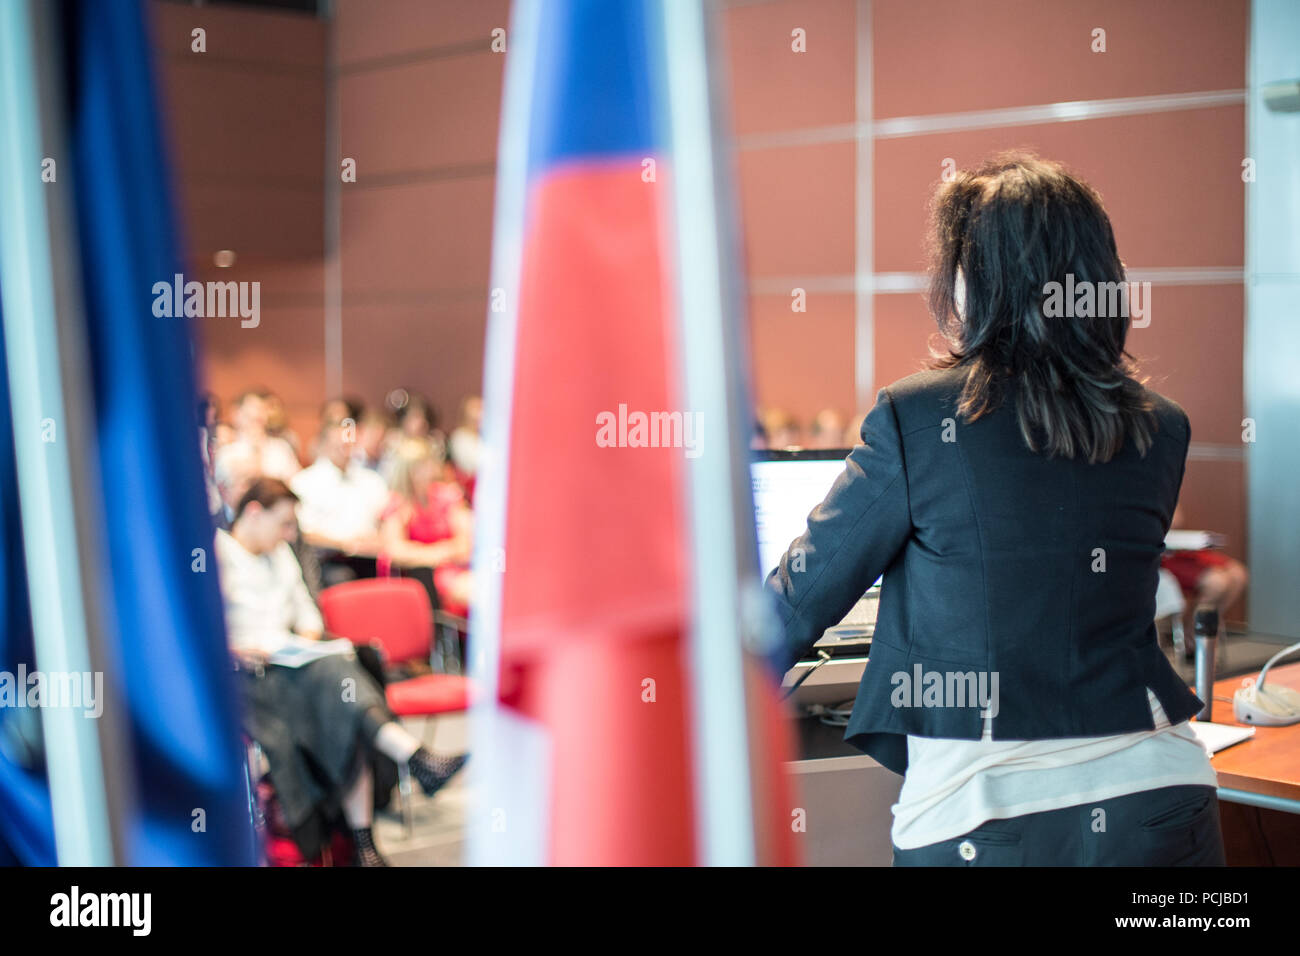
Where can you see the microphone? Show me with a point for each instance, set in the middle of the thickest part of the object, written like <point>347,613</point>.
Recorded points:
<point>1207,638</point>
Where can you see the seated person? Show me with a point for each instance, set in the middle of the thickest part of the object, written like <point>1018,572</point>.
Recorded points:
<point>426,528</point>
<point>320,743</point>
<point>464,447</point>
<point>252,417</point>
<point>372,437</point>
<point>341,501</point>
<point>1210,575</point>
<point>236,467</point>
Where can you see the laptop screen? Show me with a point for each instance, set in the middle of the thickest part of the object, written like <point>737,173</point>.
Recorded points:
<point>787,486</point>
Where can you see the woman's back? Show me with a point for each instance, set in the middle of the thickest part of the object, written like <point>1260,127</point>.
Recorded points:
<point>1013,582</point>
<point>1016,499</point>
<point>1016,496</point>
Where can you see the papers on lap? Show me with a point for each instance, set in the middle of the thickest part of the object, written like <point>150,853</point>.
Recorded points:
<point>297,651</point>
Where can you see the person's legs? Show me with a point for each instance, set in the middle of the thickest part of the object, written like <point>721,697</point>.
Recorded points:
<point>357,804</point>
<point>1223,585</point>
<point>430,770</point>
<point>359,800</point>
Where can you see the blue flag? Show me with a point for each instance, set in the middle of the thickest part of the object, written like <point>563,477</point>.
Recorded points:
<point>164,634</point>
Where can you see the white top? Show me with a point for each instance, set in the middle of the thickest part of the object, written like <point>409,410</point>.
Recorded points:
<point>342,505</point>
<point>463,447</point>
<point>275,456</point>
<point>265,596</point>
<point>953,786</point>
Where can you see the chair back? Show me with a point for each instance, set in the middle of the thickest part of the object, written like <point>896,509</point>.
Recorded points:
<point>391,612</point>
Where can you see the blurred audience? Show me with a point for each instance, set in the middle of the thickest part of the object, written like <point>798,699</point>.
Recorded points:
<point>426,528</point>
<point>464,444</point>
<point>276,458</point>
<point>781,430</point>
<point>1208,575</point>
<point>827,430</point>
<point>372,439</point>
<point>340,504</point>
<point>321,745</point>
<point>277,423</point>
<point>237,466</point>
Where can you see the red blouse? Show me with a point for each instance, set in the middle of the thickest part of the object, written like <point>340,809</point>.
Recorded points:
<point>431,522</point>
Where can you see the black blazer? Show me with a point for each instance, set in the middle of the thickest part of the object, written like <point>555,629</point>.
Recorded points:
<point>998,562</point>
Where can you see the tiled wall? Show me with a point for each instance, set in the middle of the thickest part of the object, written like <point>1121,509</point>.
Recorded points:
<point>838,150</point>
<point>841,146</point>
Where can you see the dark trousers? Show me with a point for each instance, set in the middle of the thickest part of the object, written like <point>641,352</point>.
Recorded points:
<point>1169,826</point>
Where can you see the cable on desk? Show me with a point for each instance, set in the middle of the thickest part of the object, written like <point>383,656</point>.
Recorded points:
<point>806,674</point>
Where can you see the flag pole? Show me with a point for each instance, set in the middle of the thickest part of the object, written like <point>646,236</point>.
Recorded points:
<point>54,443</point>
<point>726,608</point>
<point>506,819</point>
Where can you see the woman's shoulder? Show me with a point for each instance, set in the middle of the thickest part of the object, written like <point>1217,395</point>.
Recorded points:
<point>446,493</point>
<point>927,396</point>
<point>395,506</point>
<point>927,384</point>
<point>1171,415</point>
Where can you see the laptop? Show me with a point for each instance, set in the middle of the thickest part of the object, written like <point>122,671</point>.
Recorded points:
<point>788,484</point>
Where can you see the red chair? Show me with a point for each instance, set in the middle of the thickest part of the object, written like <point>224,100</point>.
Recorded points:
<point>394,616</point>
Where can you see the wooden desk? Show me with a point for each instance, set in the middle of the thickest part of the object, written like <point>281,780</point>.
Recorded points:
<point>1265,770</point>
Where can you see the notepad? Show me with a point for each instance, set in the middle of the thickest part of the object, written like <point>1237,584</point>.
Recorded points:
<point>298,651</point>
<point>1215,737</point>
<point>1193,540</point>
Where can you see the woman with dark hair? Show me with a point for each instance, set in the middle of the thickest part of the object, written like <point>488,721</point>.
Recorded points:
<point>1016,498</point>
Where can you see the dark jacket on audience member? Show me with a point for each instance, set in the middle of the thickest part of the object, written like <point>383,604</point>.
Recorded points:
<point>996,559</point>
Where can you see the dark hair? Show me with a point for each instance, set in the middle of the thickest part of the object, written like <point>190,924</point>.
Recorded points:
<point>418,403</point>
<point>355,407</point>
<point>1014,225</point>
<point>267,492</point>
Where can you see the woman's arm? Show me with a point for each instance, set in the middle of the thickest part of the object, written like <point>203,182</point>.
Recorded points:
<point>852,537</point>
<point>462,539</point>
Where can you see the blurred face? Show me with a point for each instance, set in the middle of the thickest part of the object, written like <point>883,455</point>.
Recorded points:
<point>415,424</point>
<point>262,529</point>
<point>252,415</point>
<point>336,409</point>
<point>424,473</point>
<point>237,481</point>
<point>336,444</point>
<point>371,439</point>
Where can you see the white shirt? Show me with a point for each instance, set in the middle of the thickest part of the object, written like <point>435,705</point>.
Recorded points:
<point>953,786</point>
<point>339,504</point>
<point>265,596</point>
<point>464,450</point>
<point>274,456</point>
